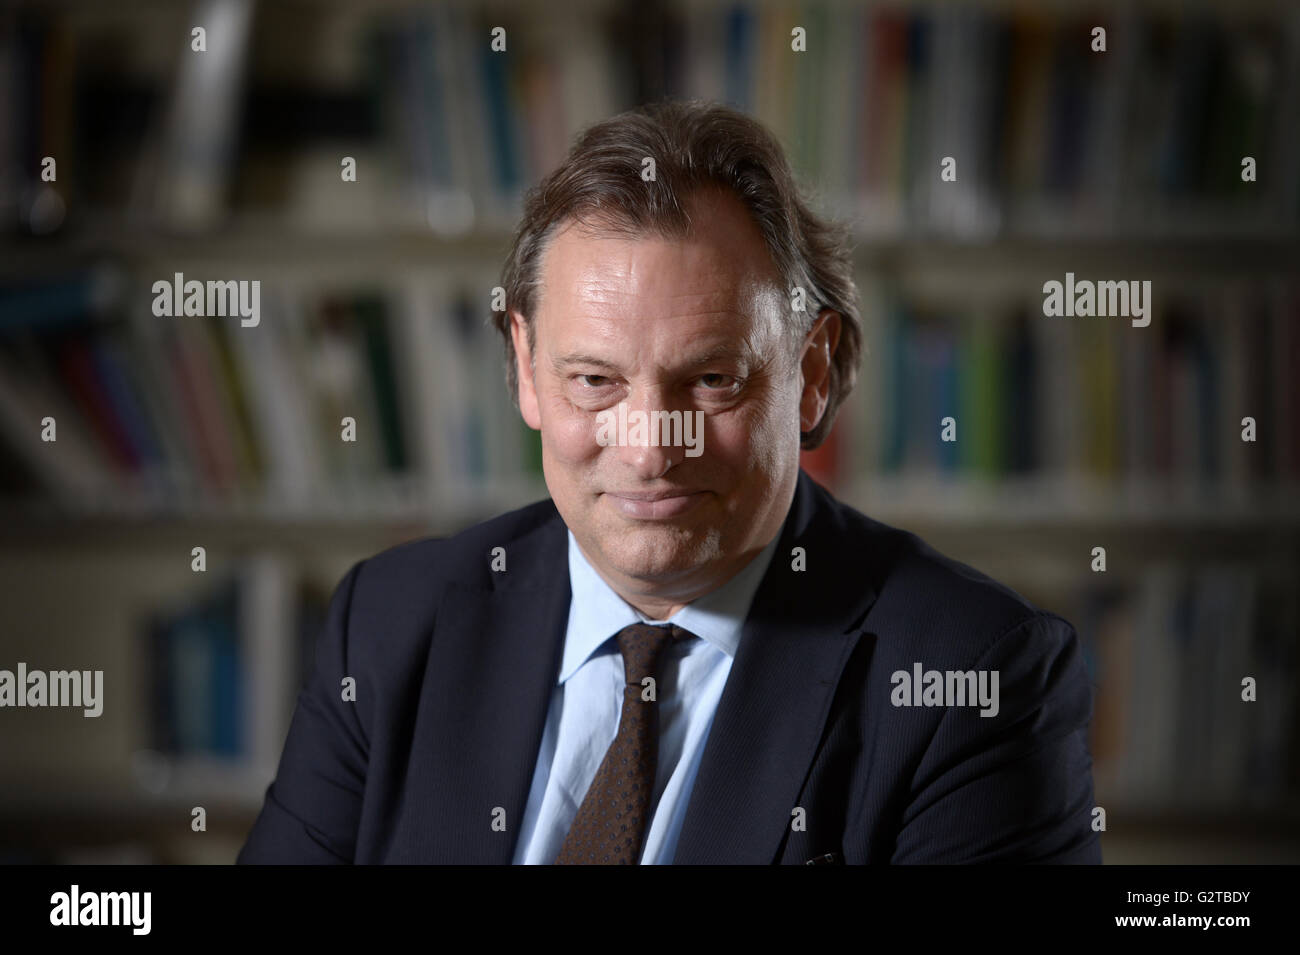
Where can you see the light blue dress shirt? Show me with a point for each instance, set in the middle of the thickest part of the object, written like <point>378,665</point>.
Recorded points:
<point>587,701</point>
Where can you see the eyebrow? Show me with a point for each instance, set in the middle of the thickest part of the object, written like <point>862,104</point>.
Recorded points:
<point>723,353</point>
<point>565,361</point>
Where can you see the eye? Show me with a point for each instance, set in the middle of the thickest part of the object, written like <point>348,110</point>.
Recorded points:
<point>717,382</point>
<point>593,381</point>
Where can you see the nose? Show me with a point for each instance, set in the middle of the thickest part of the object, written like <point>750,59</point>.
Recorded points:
<point>647,453</point>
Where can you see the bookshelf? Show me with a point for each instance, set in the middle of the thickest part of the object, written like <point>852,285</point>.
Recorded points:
<point>385,280</point>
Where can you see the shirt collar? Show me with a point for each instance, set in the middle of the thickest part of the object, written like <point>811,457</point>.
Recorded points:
<point>596,612</point>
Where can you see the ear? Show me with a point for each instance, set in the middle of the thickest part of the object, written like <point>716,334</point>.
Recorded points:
<point>528,405</point>
<point>815,368</point>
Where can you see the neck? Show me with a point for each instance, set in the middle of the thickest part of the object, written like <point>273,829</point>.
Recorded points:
<point>659,601</point>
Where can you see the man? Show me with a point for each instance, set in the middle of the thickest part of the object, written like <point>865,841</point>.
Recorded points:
<point>691,653</point>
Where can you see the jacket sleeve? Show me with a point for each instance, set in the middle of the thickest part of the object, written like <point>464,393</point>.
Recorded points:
<point>312,809</point>
<point>1016,786</point>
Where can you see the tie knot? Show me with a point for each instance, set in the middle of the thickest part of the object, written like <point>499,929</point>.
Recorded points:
<point>642,646</point>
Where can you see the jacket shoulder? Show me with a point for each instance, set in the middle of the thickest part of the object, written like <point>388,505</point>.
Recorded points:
<point>389,601</point>
<point>930,601</point>
<point>426,566</point>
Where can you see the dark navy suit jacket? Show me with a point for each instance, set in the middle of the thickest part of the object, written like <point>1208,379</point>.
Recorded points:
<point>454,666</point>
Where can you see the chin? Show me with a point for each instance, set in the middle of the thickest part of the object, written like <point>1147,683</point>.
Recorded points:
<point>659,551</point>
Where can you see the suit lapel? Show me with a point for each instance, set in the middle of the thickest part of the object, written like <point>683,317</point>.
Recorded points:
<point>800,632</point>
<point>493,662</point>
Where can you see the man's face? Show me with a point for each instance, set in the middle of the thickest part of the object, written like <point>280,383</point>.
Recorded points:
<point>686,325</point>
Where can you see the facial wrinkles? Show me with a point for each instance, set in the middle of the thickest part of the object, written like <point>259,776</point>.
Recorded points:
<point>676,347</point>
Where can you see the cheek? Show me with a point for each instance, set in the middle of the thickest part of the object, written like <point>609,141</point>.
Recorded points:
<point>752,436</point>
<point>729,440</point>
<point>567,432</point>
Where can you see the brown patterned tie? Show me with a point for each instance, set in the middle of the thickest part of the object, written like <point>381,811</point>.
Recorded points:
<point>610,824</point>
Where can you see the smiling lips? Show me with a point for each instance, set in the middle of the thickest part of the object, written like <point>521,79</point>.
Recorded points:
<point>655,505</point>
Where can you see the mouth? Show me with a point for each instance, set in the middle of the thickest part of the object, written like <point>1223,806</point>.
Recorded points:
<point>654,505</point>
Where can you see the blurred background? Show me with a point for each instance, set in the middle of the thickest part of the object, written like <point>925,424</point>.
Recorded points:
<point>177,433</point>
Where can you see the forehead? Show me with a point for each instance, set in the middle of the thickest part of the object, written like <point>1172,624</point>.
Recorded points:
<point>722,265</point>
